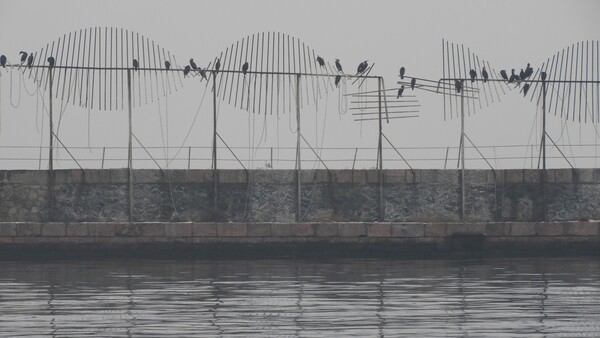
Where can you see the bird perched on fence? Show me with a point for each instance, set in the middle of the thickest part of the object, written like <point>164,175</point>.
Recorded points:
<point>362,67</point>
<point>413,82</point>
<point>186,71</point>
<point>30,61</point>
<point>522,74</point>
<point>402,71</point>
<point>167,65</point>
<point>503,74</point>
<point>543,76</point>
<point>320,61</point>
<point>473,75</point>
<point>202,73</point>
<point>525,89</point>
<point>338,65</point>
<point>136,64</point>
<point>23,57</point>
<point>458,85</point>
<point>338,78</point>
<point>512,77</point>
<point>245,68</point>
<point>484,74</point>
<point>3,61</point>
<point>51,62</point>
<point>217,66</point>
<point>400,91</point>
<point>193,64</point>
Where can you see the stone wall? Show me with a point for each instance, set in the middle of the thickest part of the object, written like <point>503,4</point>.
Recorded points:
<point>327,196</point>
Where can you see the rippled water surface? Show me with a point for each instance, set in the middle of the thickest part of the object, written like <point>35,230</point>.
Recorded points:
<point>338,298</point>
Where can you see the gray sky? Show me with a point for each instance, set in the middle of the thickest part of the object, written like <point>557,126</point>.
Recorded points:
<point>389,33</point>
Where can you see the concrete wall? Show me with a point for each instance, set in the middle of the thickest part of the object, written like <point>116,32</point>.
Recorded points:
<point>427,196</point>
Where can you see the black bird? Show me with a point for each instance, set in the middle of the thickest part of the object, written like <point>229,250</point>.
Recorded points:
<point>217,66</point>
<point>167,65</point>
<point>525,89</point>
<point>543,76</point>
<point>528,71</point>
<point>513,76</point>
<point>522,74</point>
<point>338,65</point>
<point>400,91</point>
<point>51,62</point>
<point>337,79</point>
<point>202,73</point>
<point>193,64</point>
<point>3,61</point>
<point>402,71</point>
<point>503,74</point>
<point>30,61</point>
<point>136,64</point>
<point>458,85</point>
<point>362,67</point>
<point>245,68</point>
<point>186,71</point>
<point>473,75</point>
<point>485,75</point>
<point>413,82</point>
<point>23,56</point>
<point>320,61</point>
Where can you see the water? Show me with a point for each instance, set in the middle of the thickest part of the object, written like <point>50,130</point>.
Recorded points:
<point>338,298</point>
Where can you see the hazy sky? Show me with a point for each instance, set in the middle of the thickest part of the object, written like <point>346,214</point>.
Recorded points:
<point>389,33</point>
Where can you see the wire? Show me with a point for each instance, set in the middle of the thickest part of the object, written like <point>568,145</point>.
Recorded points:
<point>11,91</point>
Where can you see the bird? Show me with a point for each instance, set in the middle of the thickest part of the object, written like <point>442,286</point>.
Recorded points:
<point>458,85</point>
<point>402,71</point>
<point>186,71</point>
<point>337,79</point>
<point>400,91</point>
<point>30,61</point>
<point>193,64</point>
<point>513,76</point>
<point>413,82</point>
<point>320,61</point>
<point>167,65</point>
<point>503,74</point>
<point>245,68</point>
<point>338,65</point>
<point>362,67</point>
<point>528,71</point>
<point>485,75</point>
<point>51,62</point>
<point>473,75</point>
<point>217,66</point>
<point>136,64</point>
<point>543,76</point>
<point>525,89</point>
<point>23,56</point>
<point>3,61</point>
<point>202,72</point>
<point>522,74</point>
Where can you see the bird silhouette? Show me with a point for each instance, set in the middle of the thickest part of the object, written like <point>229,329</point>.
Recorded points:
<point>167,65</point>
<point>484,74</point>
<point>186,71</point>
<point>413,82</point>
<point>362,67</point>
<point>528,71</point>
<point>51,62</point>
<point>402,71</point>
<point>543,76</point>
<point>458,85</point>
<point>3,61</point>
<point>217,66</point>
<point>337,79</point>
<point>473,75</point>
<point>338,65</point>
<point>136,64</point>
<point>525,89</point>
<point>320,61</point>
<point>23,56</point>
<point>400,91</point>
<point>30,61</point>
<point>202,73</point>
<point>193,64</point>
<point>522,74</point>
<point>245,67</point>
<point>512,77</point>
<point>503,74</point>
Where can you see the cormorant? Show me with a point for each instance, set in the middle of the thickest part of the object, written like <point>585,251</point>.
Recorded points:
<point>513,76</point>
<point>245,68</point>
<point>30,61</point>
<point>473,75</point>
<point>400,91</point>
<point>337,79</point>
<point>522,74</point>
<point>543,76</point>
<point>503,74</point>
<point>528,71</point>
<point>217,66</point>
<point>413,82</point>
<point>402,71</point>
<point>320,61</point>
<point>186,71</point>
<point>525,89</point>
<point>136,64</point>
<point>338,65</point>
<point>458,85</point>
<point>167,65</point>
<point>485,75</point>
<point>23,56</point>
<point>51,62</point>
<point>202,73</point>
<point>362,67</point>
<point>193,64</point>
<point>3,61</point>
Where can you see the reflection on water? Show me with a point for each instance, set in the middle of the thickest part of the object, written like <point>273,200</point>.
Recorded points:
<point>366,298</point>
